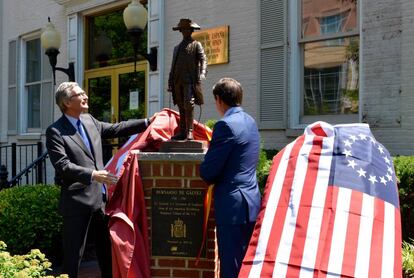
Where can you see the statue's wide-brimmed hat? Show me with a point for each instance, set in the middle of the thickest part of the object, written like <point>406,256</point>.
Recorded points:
<point>186,23</point>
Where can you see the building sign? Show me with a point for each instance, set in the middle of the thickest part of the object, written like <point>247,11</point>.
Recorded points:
<point>177,220</point>
<point>133,99</point>
<point>215,42</point>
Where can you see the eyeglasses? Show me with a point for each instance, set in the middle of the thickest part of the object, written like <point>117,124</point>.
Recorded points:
<point>81,94</point>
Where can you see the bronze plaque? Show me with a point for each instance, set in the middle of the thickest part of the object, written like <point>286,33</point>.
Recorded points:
<point>177,220</point>
<point>215,42</point>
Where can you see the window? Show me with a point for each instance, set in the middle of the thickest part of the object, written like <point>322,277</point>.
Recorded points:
<point>331,77</point>
<point>109,42</point>
<point>37,103</point>
<point>332,24</point>
<point>329,63</point>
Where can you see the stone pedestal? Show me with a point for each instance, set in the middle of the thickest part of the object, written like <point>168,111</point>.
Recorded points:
<point>174,194</point>
<point>184,146</point>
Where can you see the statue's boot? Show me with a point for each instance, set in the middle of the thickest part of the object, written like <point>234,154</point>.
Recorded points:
<point>181,134</point>
<point>189,124</point>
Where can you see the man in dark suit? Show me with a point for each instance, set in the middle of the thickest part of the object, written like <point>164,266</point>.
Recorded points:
<point>74,144</point>
<point>230,164</point>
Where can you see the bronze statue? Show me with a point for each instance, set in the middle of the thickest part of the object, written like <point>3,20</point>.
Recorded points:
<point>188,68</point>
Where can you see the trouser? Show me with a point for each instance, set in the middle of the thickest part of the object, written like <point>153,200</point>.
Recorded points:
<point>232,242</point>
<point>75,230</point>
<point>184,96</point>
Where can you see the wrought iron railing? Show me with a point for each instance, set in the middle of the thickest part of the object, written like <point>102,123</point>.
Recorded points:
<point>26,167</point>
<point>34,173</point>
<point>22,164</point>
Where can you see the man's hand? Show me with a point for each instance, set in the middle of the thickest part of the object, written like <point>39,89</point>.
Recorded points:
<point>104,176</point>
<point>169,89</point>
<point>202,76</point>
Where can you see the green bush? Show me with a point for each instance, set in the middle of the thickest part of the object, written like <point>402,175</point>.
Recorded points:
<point>210,123</point>
<point>29,219</point>
<point>408,258</point>
<point>33,264</point>
<point>263,167</point>
<point>404,169</point>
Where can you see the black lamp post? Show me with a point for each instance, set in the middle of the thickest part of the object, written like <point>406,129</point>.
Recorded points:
<point>50,40</point>
<point>135,19</point>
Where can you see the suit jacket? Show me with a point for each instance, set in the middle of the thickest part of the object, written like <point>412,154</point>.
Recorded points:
<point>230,164</point>
<point>74,163</point>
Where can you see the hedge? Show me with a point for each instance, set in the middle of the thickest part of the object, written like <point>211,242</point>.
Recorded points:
<point>408,259</point>
<point>404,169</point>
<point>29,219</point>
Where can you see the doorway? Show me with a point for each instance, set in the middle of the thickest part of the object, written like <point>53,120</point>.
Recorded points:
<point>117,93</point>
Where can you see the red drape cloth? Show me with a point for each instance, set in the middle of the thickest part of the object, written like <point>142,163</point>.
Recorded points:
<point>126,207</point>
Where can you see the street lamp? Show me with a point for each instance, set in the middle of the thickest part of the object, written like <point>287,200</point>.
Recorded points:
<point>135,19</point>
<point>50,40</point>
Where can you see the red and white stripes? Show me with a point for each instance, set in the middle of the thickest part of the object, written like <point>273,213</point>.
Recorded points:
<point>310,228</point>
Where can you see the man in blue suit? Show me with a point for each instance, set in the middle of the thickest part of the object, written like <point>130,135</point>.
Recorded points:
<point>230,164</point>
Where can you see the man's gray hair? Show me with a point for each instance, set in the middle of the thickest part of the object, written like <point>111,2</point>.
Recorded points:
<point>63,92</point>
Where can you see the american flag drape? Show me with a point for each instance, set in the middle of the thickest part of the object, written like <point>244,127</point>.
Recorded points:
<point>330,209</point>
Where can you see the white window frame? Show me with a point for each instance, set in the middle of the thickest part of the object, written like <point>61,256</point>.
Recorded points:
<point>11,86</point>
<point>22,89</point>
<point>296,82</point>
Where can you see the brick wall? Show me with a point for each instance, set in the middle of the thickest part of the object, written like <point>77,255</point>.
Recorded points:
<point>184,174</point>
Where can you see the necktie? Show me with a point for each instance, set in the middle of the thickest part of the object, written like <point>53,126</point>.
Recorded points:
<point>83,134</point>
<point>88,145</point>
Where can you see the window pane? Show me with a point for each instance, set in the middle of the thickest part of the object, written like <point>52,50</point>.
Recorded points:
<point>109,43</point>
<point>99,93</point>
<point>331,77</point>
<point>33,106</point>
<point>131,97</point>
<point>47,101</point>
<point>33,60</point>
<point>327,17</point>
<point>131,85</point>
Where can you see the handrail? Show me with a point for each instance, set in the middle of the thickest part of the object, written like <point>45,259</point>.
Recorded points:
<point>28,169</point>
<point>19,145</point>
<point>15,157</point>
<point>37,167</point>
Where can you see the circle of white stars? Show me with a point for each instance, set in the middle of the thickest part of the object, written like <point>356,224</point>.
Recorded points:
<point>362,173</point>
